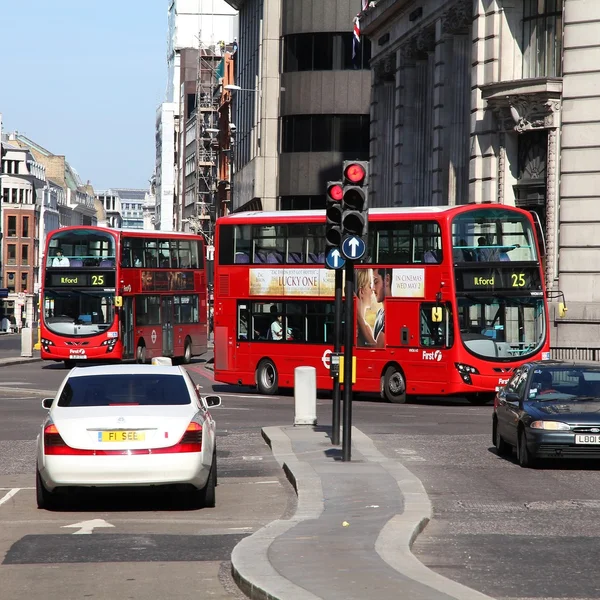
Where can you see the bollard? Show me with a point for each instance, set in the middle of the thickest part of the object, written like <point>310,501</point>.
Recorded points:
<point>27,342</point>
<point>305,395</point>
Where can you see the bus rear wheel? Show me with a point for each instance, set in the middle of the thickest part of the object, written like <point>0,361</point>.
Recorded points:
<point>187,352</point>
<point>267,380</point>
<point>393,386</point>
<point>140,355</point>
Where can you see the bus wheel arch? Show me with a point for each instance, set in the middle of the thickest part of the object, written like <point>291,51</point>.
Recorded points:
<point>266,376</point>
<point>393,384</point>
<point>140,352</point>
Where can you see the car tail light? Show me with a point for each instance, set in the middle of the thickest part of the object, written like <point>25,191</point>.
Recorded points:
<point>54,444</point>
<point>191,441</point>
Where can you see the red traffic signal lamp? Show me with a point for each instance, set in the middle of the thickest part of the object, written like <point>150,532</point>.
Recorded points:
<point>333,214</point>
<point>355,210</point>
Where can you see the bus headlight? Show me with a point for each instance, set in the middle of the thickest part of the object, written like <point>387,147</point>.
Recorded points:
<point>110,344</point>
<point>466,371</point>
<point>46,344</point>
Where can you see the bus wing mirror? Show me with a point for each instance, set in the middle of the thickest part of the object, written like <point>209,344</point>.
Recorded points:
<point>436,314</point>
<point>562,310</point>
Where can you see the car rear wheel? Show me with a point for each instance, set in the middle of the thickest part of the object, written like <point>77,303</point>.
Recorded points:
<point>267,380</point>
<point>526,460</point>
<point>394,386</point>
<point>208,495</point>
<point>44,498</point>
<point>502,448</point>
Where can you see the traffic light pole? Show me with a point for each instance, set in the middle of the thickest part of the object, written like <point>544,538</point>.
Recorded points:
<point>348,344</point>
<point>337,348</point>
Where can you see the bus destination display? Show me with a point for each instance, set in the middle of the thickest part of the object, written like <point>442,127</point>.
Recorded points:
<point>78,280</point>
<point>509,279</point>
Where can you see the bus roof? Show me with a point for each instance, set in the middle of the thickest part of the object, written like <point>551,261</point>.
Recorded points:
<point>132,232</point>
<point>378,213</point>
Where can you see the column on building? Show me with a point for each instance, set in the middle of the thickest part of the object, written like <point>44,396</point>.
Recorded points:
<point>483,166</point>
<point>382,183</point>
<point>452,106</point>
<point>416,161</point>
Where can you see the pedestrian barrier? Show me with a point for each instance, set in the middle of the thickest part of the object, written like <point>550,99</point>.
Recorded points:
<point>575,354</point>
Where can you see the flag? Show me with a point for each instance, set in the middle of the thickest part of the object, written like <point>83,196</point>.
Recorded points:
<point>364,4</point>
<point>356,40</point>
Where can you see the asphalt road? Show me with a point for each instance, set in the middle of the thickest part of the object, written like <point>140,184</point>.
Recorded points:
<point>511,533</point>
<point>10,344</point>
<point>144,545</point>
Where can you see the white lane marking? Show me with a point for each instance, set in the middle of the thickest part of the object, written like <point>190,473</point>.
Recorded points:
<point>252,457</point>
<point>86,527</point>
<point>21,488</point>
<point>239,528</point>
<point>9,495</point>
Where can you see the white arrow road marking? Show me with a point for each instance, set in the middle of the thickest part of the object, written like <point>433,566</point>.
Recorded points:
<point>87,526</point>
<point>9,495</point>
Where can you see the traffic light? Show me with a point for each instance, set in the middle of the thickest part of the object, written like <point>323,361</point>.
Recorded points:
<point>333,211</point>
<point>355,216</point>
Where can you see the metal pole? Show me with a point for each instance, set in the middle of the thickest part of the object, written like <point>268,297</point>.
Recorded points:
<point>337,347</point>
<point>348,344</point>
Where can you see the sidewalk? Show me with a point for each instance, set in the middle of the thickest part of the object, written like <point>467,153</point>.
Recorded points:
<point>352,531</point>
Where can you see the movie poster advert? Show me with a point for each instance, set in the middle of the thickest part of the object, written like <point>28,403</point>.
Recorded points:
<point>292,282</point>
<point>373,286</point>
<point>165,281</point>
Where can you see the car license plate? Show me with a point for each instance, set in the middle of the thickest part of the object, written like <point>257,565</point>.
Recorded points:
<point>587,439</point>
<point>121,436</point>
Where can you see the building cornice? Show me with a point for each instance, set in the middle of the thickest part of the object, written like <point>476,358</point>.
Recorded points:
<point>379,15</point>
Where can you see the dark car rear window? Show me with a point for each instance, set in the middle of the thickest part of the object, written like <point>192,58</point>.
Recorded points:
<point>107,390</point>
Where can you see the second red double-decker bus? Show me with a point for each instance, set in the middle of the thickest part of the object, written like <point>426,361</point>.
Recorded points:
<point>113,294</point>
<point>449,300</point>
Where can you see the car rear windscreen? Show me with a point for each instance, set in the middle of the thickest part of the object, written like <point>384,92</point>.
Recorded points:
<point>127,389</point>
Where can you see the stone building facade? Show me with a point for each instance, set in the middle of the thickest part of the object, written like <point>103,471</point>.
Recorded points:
<point>496,101</point>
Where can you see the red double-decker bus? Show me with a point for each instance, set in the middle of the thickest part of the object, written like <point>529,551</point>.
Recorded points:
<point>112,294</point>
<point>449,300</point>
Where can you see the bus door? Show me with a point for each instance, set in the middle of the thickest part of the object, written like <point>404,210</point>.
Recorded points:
<point>166,313</point>
<point>127,327</point>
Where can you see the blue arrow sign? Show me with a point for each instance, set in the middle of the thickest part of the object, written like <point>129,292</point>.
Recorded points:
<point>353,247</point>
<point>334,259</point>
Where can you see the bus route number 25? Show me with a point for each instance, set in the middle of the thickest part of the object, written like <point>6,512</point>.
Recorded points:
<point>518,279</point>
<point>97,279</point>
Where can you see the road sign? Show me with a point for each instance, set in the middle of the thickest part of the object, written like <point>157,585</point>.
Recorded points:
<point>334,259</point>
<point>353,247</point>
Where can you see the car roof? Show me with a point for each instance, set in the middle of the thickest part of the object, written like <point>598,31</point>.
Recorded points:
<point>132,369</point>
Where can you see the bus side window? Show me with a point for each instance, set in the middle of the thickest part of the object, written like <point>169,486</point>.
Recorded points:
<point>243,320</point>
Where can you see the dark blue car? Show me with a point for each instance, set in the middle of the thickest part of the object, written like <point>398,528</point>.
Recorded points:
<point>549,409</point>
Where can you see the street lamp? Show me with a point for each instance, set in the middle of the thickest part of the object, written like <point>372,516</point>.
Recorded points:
<point>236,88</point>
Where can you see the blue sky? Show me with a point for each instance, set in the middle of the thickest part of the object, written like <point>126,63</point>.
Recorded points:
<point>84,78</point>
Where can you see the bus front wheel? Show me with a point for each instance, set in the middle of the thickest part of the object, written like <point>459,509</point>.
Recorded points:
<point>267,380</point>
<point>140,355</point>
<point>394,386</point>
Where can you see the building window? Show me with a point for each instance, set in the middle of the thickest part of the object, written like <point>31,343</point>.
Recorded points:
<point>5,195</point>
<point>25,232</point>
<point>10,281</point>
<point>12,226</point>
<point>324,52</point>
<point>15,194</point>
<point>11,254</point>
<point>25,254</point>
<point>542,38</point>
<point>302,202</point>
<point>24,279</point>
<point>326,133</point>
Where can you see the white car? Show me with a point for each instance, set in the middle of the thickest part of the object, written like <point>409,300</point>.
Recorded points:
<point>127,425</point>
